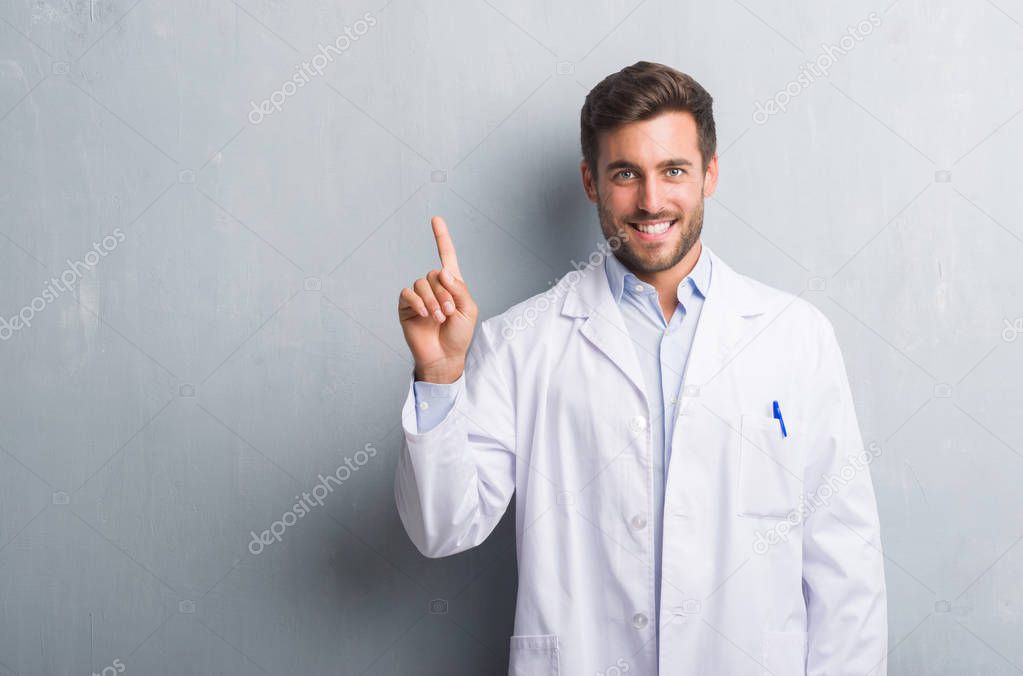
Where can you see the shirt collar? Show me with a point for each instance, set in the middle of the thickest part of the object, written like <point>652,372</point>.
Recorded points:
<point>621,278</point>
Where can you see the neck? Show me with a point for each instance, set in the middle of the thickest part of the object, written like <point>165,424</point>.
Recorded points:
<point>666,281</point>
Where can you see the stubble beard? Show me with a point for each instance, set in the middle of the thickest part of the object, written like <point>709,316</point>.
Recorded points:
<point>690,226</point>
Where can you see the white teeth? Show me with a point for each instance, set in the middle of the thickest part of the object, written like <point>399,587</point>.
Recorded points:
<point>655,229</point>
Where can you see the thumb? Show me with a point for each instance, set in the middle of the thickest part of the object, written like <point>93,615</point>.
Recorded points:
<point>459,291</point>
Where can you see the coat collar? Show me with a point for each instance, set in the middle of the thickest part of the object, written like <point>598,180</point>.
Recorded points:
<point>722,327</point>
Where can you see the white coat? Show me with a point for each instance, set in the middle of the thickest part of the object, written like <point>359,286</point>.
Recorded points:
<point>772,558</point>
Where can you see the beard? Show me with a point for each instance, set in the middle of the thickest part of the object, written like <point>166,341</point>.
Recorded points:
<point>634,254</point>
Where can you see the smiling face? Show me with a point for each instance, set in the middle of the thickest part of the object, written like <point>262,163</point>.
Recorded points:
<point>650,186</point>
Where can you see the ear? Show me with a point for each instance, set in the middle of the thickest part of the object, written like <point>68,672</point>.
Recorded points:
<point>710,179</point>
<point>589,181</point>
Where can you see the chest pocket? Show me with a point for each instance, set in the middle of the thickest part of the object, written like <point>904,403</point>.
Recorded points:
<point>770,470</point>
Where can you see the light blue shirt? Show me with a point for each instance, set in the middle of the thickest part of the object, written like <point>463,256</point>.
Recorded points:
<point>662,349</point>
<point>433,401</point>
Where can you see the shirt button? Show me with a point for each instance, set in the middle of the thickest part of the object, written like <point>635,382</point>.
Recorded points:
<point>424,405</point>
<point>639,620</point>
<point>639,522</point>
<point>638,423</point>
<point>638,287</point>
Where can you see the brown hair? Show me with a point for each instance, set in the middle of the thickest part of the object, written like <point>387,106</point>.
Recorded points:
<point>639,92</point>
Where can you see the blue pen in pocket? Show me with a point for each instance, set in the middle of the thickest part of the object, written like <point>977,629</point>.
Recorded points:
<point>777,414</point>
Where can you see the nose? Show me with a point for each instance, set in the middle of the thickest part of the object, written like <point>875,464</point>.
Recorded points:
<point>650,195</point>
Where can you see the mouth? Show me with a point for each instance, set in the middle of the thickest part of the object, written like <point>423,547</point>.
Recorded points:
<point>652,231</point>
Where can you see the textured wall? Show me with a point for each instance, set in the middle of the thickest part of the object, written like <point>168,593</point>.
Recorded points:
<point>208,208</point>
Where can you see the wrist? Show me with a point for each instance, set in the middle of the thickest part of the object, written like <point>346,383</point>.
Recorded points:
<point>443,372</point>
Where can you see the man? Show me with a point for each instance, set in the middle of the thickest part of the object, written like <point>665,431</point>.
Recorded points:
<point>693,495</point>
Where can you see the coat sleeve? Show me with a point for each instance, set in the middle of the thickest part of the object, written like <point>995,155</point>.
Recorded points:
<point>843,568</point>
<point>455,481</point>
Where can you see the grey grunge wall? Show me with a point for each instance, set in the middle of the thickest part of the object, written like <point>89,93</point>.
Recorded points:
<point>208,209</point>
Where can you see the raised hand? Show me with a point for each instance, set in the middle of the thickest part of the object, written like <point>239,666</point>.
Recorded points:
<point>438,316</point>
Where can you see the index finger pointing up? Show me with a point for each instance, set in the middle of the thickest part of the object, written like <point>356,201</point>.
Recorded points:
<point>445,247</point>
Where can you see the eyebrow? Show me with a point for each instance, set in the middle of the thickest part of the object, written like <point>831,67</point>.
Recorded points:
<point>625,164</point>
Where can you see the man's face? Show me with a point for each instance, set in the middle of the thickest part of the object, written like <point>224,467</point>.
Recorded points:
<point>649,175</point>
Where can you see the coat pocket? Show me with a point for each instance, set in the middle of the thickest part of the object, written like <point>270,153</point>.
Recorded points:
<point>537,655</point>
<point>770,471</point>
<point>784,653</point>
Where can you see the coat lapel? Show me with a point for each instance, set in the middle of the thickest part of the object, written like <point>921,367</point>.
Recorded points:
<point>590,297</point>
<point>723,327</point>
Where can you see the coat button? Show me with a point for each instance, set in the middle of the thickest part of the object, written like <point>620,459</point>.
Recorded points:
<point>639,522</point>
<point>638,423</point>
<point>639,620</point>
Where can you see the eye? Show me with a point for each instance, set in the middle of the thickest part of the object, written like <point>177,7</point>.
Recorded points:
<point>623,171</point>
<point>678,169</point>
